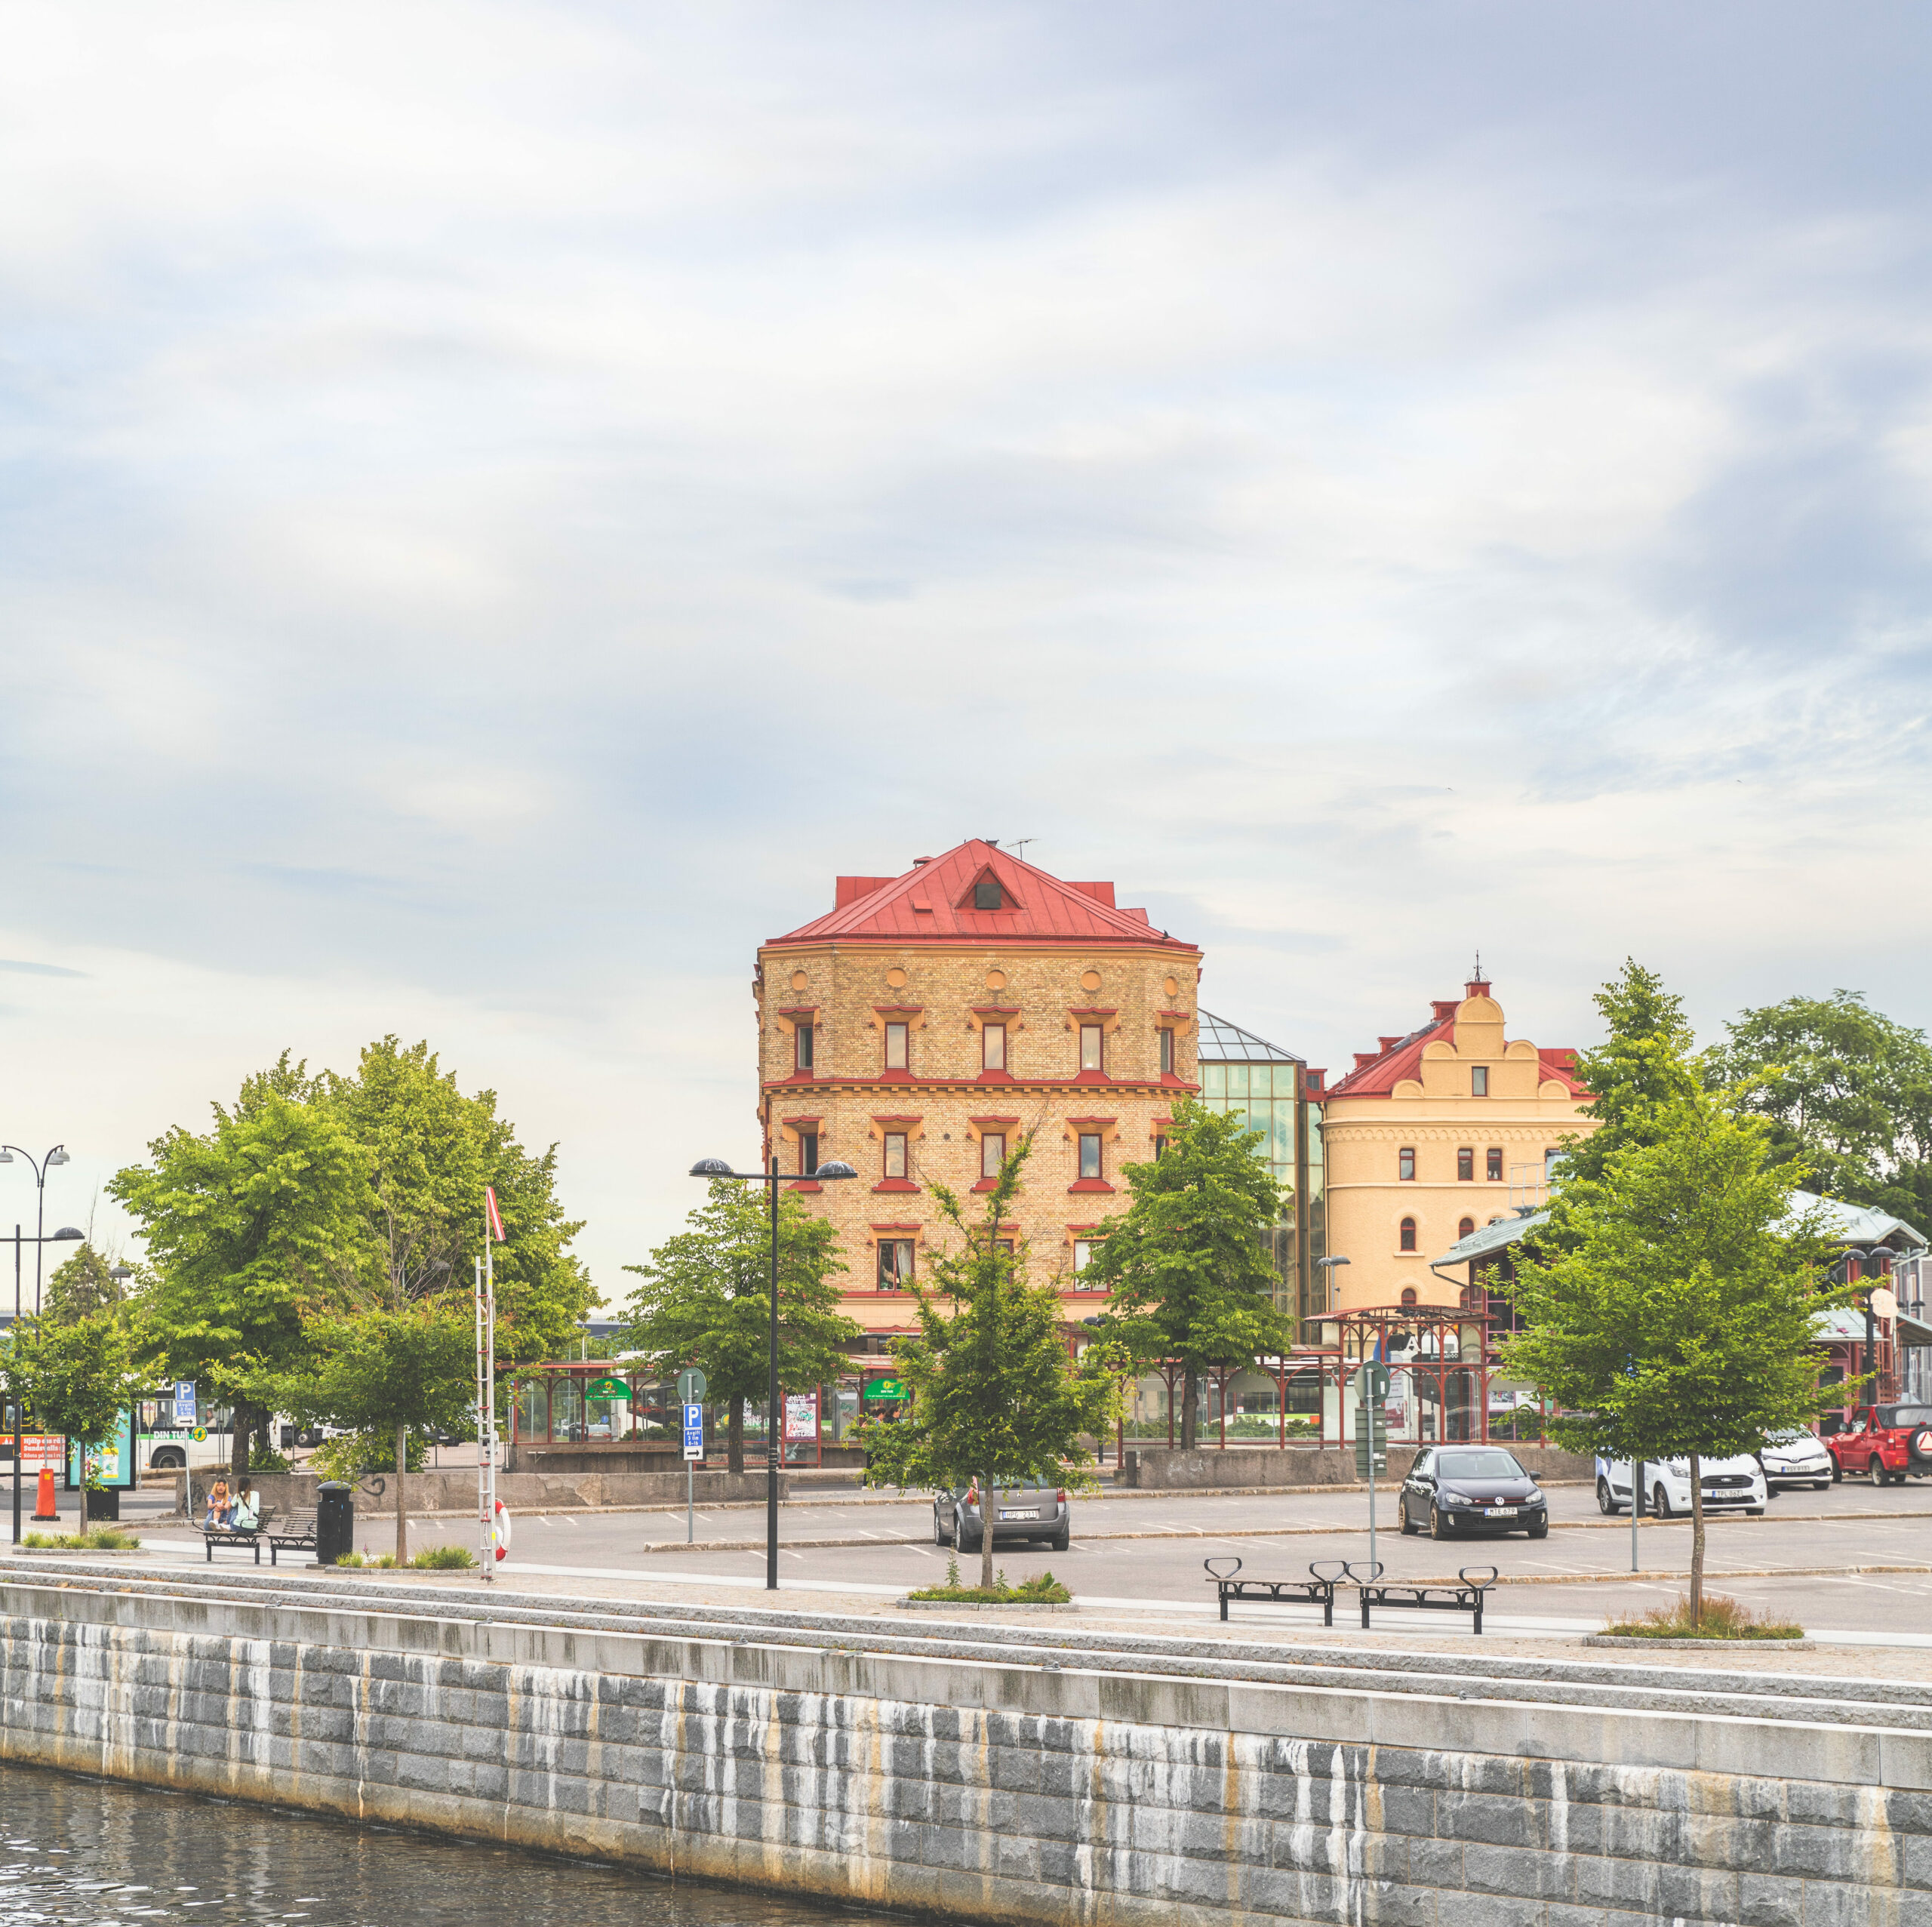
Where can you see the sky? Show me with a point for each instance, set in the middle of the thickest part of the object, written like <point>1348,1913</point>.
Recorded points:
<point>500,503</point>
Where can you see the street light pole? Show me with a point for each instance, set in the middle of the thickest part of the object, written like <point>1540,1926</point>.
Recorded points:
<point>774,1419</point>
<point>66,1235</point>
<point>58,1155</point>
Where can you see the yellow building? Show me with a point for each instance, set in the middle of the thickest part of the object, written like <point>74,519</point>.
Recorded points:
<point>1432,1136</point>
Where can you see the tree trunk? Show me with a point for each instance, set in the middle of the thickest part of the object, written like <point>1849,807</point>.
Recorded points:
<point>734,1436</point>
<point>1190,1394</point>
<point>1696,1542</point>
<point>989,1511</point>
<point>243,1423</point>
<point>401,1510</point>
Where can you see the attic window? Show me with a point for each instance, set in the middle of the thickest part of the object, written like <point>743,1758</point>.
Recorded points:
<point>987,895</point>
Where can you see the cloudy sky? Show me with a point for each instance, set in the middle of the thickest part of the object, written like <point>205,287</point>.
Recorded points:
<point>501,502</point>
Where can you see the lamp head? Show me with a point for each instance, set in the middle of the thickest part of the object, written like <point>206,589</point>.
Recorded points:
<point>1320,1262</point>
<point>6,1157</point>
<point>121,1273</point>
<point>67,1234</point>
<point>58,1155</point>
<point>838,1168</point>
<point>711,1168</point>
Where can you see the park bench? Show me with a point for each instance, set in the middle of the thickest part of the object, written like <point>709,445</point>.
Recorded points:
<point>213,1536</point>
<point>296,1533</point>
<point>1326,1575</point>
<point>1316,1589</point>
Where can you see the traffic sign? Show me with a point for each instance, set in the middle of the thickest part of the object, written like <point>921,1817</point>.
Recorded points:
<point>184,1401</point>
<point>1371,1383</point>
<point>694,1431</point>
<point>692,1385</point>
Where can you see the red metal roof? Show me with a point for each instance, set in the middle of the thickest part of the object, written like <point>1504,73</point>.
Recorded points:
<point>932,902</point>
<point>1378,1072</point>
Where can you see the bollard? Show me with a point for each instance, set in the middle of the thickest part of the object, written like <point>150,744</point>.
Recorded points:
<point>44,1503</point>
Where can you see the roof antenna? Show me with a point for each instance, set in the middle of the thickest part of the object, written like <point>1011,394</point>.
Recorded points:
<point>1018,843</point>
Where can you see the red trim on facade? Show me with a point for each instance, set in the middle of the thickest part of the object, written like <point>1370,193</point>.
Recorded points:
<point>982,1123</point>
<point>800,1120</point>
<point>1093,1120</point>
<point>895,1228</point>
<point>994,1010</point>
<point>1089,1184</point>
<point>803,1184</point>
<point>1090,1011</point>
<point>898,1010</point>
<point>895,1184</point>
<point>893,1117</point>
<point>1126,1086</point>
<point>987,1184</point>
<point>798,1010</point>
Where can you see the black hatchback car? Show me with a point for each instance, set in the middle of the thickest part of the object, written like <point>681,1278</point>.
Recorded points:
<point>1471,1488</point>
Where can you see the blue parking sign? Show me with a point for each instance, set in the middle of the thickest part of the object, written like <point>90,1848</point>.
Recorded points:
<point>693,1432</point>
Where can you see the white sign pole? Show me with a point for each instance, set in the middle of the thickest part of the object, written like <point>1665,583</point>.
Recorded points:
<point>482,1433</point>
<point>488,1427</point>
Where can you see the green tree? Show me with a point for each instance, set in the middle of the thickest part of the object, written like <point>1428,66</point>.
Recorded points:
<point>995,1395</point>
<point>250,1229</point>
<point>388,1371</point>
<point>1637,1075</point>
<point>705,1300</point>
<point>1680,1322</point>
<point>83,1286</point>
<point>1189,1264</point>
<point>76,1375</point>
<point>1848,1092</point>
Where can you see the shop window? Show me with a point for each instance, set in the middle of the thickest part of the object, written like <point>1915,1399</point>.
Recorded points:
<point>1089,1154</point>
<point>1408,1297</point>
<point>807,1153</point>
<point>1465,1228</point>
<point>895,1046</point>
<point>1492,1164</point>
<point>992,1153</point>
<point>1405,1165</point>
<point>987,895</point>
<point>1465,1164</point>
<point>1092,1048</point>
<point>1408,1234</point>
<point>992,1047</point>
<point>1167,1054</point>
<point>895,1154</point>
<point>895,1263</point>
<point>1479,1081</point>
<point>801,1052</point>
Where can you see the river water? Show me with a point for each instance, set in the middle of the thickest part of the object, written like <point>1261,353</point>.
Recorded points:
<point>98,1854</point>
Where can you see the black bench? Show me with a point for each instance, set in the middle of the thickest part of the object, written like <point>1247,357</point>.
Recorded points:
<point>1317,1589</point>
<point>213,1536</point>
<point>296,1533</point>
<point>1465,1596</point>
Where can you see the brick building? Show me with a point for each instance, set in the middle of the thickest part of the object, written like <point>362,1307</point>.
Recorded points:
<point>1434,1135</point>
<point>928,1021</point>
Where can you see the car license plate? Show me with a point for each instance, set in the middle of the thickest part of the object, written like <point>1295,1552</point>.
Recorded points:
<point>1498,1512</point>
<point>1004,1514</point>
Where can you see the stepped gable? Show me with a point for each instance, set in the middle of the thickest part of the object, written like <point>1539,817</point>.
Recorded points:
<point>933,902</point>
<point>1378,1072</point>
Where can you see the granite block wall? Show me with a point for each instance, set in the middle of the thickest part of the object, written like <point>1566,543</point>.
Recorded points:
<point>951,1803</point>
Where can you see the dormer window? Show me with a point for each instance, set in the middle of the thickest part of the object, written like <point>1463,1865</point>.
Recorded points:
<point>987,895</point>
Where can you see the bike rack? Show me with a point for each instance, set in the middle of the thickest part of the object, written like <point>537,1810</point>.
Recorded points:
<point>1317,1589</point>
<point>1466,1597</point>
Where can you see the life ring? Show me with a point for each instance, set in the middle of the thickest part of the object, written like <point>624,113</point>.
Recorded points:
<point>499,1530</point>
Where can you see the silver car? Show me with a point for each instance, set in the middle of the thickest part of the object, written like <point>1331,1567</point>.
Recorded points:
<point>1028,1509</point>
<point>1796,1458</point>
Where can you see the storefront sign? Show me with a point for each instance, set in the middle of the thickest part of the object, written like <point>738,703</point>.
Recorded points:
<point>607,1388</point>
<point>885,1388</point>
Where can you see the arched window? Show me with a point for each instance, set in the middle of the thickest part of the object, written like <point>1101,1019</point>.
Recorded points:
<point>1466,1227</point>
<point>1408,1234</point>
<point>1408,1296</point>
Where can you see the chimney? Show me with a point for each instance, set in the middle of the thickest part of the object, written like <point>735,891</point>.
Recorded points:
<point>919,863</point>
<point>1364,1058</point>
<point>1388,1044</point>
<point>1444,1008</point>
<point>1477,986</point>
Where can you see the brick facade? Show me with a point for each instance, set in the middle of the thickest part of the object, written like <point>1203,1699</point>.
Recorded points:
<point>1065,960</point>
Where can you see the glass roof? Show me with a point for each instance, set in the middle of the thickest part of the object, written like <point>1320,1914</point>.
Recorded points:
<point>1223,1042</point>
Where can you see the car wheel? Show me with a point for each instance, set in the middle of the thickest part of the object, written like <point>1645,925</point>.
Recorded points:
<point>1754,1512</point>
<point>1660,1504</point>
<point>970,1542</point>
<point>1438,1527</point>
<point>1062,1539</point>
<point>1540,1530</point>
<point>1877,1470</point>
<point>939,1531</point>
<point>1408,1525</point>
<point>1606,1504</point>
<point>1838,1472</point>
<point>1821,1485</point>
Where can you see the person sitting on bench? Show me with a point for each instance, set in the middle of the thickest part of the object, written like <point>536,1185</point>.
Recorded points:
<point>221,1509</point>
<point>246,1514</point>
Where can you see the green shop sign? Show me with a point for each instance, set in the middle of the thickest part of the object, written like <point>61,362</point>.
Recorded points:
<point>607,1388</point>
<point>885,1388</point>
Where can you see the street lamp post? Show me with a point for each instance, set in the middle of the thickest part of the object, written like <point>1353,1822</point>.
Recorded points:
<point>58,1155</point>
<point>774,1427</point>
<point>66,1235</point>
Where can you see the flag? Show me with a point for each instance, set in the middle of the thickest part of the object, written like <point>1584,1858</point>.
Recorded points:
<point>496,1216</point>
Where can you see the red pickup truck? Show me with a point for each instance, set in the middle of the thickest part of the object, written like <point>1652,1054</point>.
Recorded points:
<point>1887,1442</point>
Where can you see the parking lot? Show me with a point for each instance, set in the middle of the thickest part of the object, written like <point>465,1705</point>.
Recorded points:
<point>1842,1559</point>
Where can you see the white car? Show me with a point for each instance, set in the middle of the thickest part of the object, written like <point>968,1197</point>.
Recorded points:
<point>1796,1458</point>
<point>1730,1485</point>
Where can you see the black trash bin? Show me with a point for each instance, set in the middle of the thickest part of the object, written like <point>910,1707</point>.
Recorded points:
<point>335,1521</point>
<point>105,1504</point>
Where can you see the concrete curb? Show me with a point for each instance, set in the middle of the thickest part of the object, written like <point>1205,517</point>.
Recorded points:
<point>1704,1645</point>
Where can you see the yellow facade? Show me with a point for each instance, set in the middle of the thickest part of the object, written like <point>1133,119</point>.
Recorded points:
<point>1432,1136</point>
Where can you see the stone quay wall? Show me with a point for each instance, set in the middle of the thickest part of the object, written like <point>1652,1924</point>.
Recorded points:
<point>1159,1468</point>
<point>448,1492</point>
<point>981,1789</point>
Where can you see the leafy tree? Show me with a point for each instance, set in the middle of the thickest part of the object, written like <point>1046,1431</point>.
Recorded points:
<point>705,1300</point>
<point>392,1370</point>
<point>1679,1322</point>
<point>1189,1264</point>
<point>76,1375</point>
<point>995,1395</point>
<point>249,1229</point>
<point>1636,1075</point>
<point>81,1286</point>
<point>1848,1092</point>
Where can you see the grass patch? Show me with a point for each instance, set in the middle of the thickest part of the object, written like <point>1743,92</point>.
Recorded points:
<point>1723,1619</point>
<point>444,1559</point>
<point>366,1559</point>
<point>95,1539</point>
<point>1043,1589</point>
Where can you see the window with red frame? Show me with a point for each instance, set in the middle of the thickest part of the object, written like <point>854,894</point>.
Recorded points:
<point>992,1153</point>
<point>1089,1154</point>
<point>1166,1053</point>
<point>1465,1228</point>
<point>895,1263</point>
<point>1092,1048</point>
<point>1405,1163</point>
<point>895,1154</point>
<point>1492,1164</point>
<point>807,1153</point>
<point>1408,1297</point>
<point>895,1046</point>
<point>992,1047</point>
<point>1408,1234</point>
<point>1465,1164</point>
<point>802,1048</point>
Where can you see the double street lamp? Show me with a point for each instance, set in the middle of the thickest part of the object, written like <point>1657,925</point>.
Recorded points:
<point>66,1235</point>
<point>774,1419</point>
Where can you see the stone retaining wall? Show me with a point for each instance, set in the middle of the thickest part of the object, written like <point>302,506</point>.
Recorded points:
<point>521,1491</point>
<point>1157,1468</point>
<point>986,1790</point>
